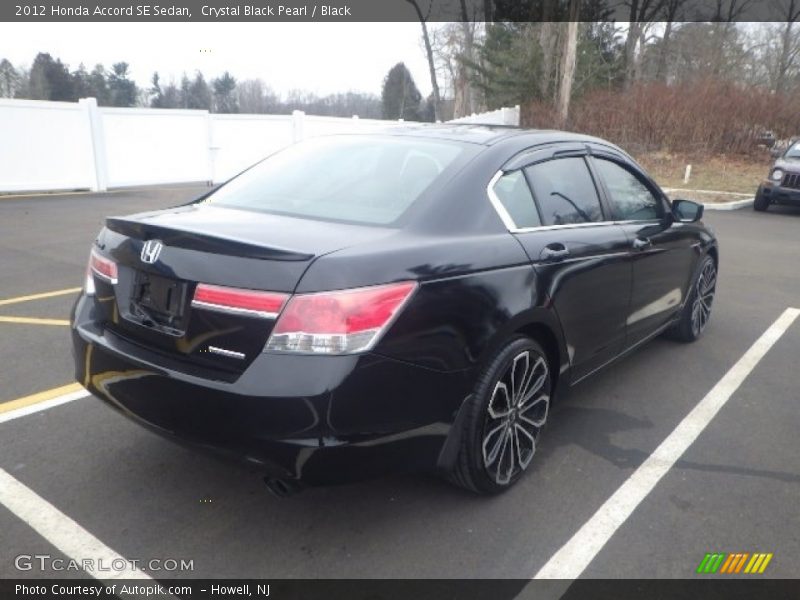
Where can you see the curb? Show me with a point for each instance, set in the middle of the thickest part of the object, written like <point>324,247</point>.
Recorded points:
<point>735,205</point>
<point>732,205</point>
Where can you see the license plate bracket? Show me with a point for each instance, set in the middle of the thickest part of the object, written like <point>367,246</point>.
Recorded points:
<point>162,299</point>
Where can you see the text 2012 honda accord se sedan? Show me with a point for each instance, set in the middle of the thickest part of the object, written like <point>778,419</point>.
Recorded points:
<point>411,299</point>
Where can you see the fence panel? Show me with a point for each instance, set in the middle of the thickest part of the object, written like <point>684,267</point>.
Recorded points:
<point>149,146</point>
<point>44,146</point>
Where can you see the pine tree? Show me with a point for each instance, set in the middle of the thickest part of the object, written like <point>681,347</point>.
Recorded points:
<point>10,80</point>
<point>98,85</point>
<point>225,94</point>
<point>50,80</point>
<point>401,98</point>
<point>122,89</point>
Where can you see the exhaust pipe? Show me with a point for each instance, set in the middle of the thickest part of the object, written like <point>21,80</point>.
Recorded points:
<point>283,488</point>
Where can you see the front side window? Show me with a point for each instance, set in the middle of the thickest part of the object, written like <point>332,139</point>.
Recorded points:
<point>361,179</point>
<point>632,199</point>
<point>514,195</point>
<point>565,192</point>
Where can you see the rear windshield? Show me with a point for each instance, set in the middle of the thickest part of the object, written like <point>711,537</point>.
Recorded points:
<point>363,179</point>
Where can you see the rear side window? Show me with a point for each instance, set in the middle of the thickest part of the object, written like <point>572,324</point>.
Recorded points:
<point>513,193</point>
<point>565,192</point>
<point>632,199</point>
<point>361,179</point>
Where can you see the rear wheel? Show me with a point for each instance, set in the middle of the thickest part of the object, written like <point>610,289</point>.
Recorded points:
<point>697,311</point>
<point>506,413</point>
<point>761,203</point>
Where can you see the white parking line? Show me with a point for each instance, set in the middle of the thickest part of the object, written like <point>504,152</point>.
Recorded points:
<point>71,539</point>
<point>39,406</point>
<point>574,556</point>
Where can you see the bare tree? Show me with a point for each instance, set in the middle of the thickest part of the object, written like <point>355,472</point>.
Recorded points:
<point>670,13</point>
<point>568,57</point>
<point>463,90</point>
<point>726,13</point>
<point>437,101</point>
<point>789,54</point>
<point>641,13</point>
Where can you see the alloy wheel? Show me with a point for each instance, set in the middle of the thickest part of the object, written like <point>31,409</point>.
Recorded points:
<point>704,297</point>
<point>516,413</point>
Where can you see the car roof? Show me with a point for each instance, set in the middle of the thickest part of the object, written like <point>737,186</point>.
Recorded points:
<point>487,134</point>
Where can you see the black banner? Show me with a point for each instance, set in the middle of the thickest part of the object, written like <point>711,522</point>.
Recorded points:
<point>379,10</point>
<point>404,589</point>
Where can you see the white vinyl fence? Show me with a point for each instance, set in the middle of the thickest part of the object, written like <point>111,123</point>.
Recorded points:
<point>501,116</point>
<point>64,145</point>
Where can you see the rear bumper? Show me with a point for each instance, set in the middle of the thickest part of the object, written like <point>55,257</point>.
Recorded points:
<point>319,419</point>
<point>779,194</point>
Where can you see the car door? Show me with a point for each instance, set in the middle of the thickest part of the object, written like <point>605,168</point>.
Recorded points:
<point>580,257</point>
<point>663,253</point>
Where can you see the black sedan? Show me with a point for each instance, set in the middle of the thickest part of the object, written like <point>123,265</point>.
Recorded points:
<point>415,299</point>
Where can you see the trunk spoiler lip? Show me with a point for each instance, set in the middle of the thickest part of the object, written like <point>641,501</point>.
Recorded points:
<point>203,241</point>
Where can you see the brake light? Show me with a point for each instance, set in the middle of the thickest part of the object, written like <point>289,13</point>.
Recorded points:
<point>341,322</point>
<point>249,302</point>
<point>101,266</point>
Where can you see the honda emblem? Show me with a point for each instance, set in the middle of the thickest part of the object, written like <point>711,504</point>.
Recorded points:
<point>150,251</point>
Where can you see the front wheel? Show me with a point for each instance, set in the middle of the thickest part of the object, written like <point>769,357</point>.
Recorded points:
<point>697,310</point>
<point>761,202</point>
<point>506,413</point>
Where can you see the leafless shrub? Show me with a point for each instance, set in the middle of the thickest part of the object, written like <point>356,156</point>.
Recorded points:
<point>699,117</point>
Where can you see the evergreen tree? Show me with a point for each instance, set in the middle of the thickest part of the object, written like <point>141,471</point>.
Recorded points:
<point>10,79</point>
<point>156,95</point>
<point>98,85</point>
<point>80,82</point>
<point>401,98</point>
<point>225,94</point>
<point>50,80</point>
<point>122,89</point>
<point>199,93</point>
<point>185,91</point>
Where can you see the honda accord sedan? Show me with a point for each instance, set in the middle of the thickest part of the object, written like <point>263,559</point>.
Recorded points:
<point>414,299</point>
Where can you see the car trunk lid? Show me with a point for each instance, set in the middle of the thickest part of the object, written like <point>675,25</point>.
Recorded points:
<point>152,305</point>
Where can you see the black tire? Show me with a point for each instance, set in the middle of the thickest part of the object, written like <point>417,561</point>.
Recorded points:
<point>697,310</point>
<point>761,203</point>
<point>482,464</point>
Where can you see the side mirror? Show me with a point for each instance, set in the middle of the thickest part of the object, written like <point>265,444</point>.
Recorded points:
<point>686,211</point>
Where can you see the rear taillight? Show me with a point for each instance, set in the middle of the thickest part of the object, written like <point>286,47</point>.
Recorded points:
<point>341,322</point>
<point>234,300</point>
<point>101,266</point>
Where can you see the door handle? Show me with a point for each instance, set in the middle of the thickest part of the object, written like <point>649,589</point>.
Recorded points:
<point>642,243</point>
<point>554,252</point>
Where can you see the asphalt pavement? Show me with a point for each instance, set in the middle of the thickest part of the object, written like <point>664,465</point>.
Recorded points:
<point>734,490</point>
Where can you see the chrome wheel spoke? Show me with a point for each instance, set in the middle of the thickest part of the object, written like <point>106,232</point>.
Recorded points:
<point>506,456</point>
<point>526,446</point>
<point>501,404</point>
<point>535,389</point>
<point>490,456</point>
<point>519,381</point>
<point>531,419</point>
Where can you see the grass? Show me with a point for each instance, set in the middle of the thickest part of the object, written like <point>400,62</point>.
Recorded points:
<point>734,174</point>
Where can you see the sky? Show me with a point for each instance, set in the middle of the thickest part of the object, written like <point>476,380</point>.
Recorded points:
<point>317,57</point>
